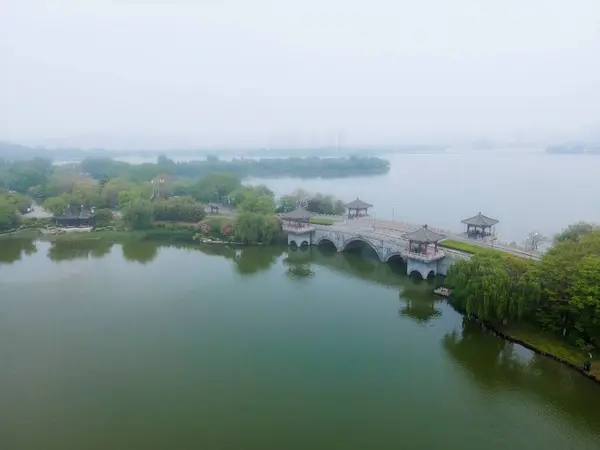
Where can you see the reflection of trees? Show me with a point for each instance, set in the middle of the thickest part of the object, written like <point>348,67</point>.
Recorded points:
<point>419,303</point>
<point>142,252</point>
<point>79,249</point>
<point>255,259</point>
<point>491,363</point>
<point>12,249</point>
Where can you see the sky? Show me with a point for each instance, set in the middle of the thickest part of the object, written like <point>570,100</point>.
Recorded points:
<point>194,73</point>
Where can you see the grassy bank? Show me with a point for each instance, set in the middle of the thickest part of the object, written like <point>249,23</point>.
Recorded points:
<point>467,248</point>
<point>549,345</point>
<point>321,221</point>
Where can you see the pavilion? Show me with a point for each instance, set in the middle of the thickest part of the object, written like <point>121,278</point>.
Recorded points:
<point>358,208</point>
<point>85,218</point>
<point>214,208</point>
<point>479,226</point>
<point>297,220</point>
<point>418,241</point>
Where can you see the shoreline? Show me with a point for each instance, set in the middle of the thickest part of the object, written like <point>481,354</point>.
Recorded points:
<point>507,337</point>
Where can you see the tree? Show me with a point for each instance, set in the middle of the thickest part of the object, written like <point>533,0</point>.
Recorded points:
<point>112,188</point>
<point>184,209</point>
<point>585,300</point>
<point>9,217</point>
<point>214,186</point>
<point>574,232</point>
<point>103,217</point>
<point>287,203</point>
<point>138,214</point>
<point>493,287</point>
<point>56,205</point>
<point>563,273</point>
<point>247,227</point>
<point>258,204</point>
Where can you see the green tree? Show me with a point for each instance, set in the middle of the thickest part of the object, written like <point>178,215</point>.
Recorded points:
<point>55,205</point>
<point>258,204</point>
<point>138,214</point>
<point>103,217</point>
<point>9,216</point>
<point>247,227</point>
<point>111,190</point>
<point>183,209</point>
<point>493,287</point>
<point>213,187</point>
<point>574,232</point>
<point>585,300</point>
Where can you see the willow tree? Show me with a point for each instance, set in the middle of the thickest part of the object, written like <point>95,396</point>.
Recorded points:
<point>492,286</point>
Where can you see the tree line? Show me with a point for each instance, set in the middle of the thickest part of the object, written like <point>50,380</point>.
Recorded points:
<point>313,167</point>
<point>559,294</point>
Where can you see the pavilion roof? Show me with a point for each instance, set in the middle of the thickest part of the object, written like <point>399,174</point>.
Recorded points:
<point>297,214</point>
<point>358,204</point>
<point>69,214</point>
<point>424,235</point>
<point>480,221</point>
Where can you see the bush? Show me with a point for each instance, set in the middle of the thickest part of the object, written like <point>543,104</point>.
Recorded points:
<point>226,228</point>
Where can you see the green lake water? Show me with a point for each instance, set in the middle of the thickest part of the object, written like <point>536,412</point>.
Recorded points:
<point>142,347</point>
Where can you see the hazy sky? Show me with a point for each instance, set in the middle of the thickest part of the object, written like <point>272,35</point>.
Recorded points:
<point>128,73</point>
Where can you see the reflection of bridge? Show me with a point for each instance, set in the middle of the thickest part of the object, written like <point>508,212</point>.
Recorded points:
<point>388,241</point>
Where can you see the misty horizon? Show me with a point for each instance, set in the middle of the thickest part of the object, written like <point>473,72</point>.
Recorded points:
<point>125,74</point>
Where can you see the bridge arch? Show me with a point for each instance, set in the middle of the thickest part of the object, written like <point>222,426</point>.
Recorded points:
<point>414,272</point>
<point>396,256</point>
<point>363,241</point>
<point>327,241</point>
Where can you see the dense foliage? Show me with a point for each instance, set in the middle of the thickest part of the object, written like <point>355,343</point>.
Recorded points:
<point>313,167</point>
<point>178,209</point>
<point>560,293</point>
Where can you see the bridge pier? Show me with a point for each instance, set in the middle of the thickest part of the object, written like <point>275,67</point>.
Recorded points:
<point>301,237</point>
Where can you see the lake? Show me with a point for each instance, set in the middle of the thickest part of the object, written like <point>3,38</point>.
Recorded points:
<point>526,191</point>
<point>141,346</point>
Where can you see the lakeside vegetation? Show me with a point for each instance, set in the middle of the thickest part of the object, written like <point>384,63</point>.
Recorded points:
<point>556,299</point>
<point>173,207</point>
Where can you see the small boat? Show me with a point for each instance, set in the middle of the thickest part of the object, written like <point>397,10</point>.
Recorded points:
<point>443,291</point>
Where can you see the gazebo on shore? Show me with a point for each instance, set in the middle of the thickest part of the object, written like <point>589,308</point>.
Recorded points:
<point>214,208</point>
<point>418,241</point>
<point>358,208</point>
<point>298,219</point>
<point>85,218</point>
<point>479,226</point>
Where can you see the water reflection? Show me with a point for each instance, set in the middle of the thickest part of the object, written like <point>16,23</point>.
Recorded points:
<point>13,249</point>
<point>418,301</point>
<point>250,260</point>
<point>83,249</point>
<point>141,252</point>
<point>493,363</point>
<point>298,264</point>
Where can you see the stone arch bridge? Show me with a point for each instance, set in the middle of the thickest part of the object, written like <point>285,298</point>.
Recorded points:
<point>385,246</point>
